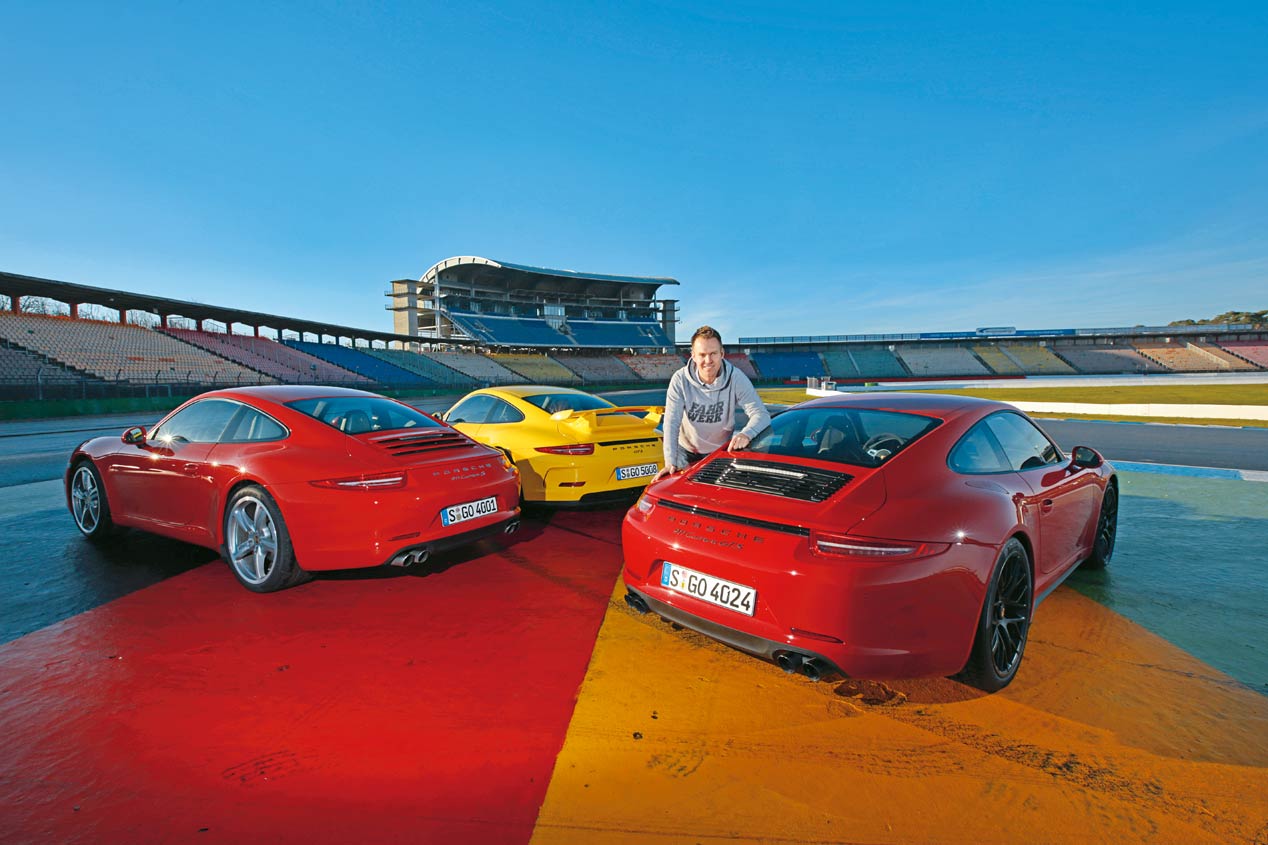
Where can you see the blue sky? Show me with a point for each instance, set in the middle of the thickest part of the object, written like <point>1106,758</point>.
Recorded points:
<point>802,168</point>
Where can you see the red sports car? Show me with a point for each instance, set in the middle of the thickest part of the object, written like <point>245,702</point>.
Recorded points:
<point>288,480</point>
<point>874,535</point>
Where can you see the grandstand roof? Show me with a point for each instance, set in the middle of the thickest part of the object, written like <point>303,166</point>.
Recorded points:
<point>16,285</point>
<point>523,277</point>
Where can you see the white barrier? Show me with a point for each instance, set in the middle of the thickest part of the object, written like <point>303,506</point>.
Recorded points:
<point>1200,412</point>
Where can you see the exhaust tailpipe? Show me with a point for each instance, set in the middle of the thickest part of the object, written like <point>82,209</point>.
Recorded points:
<point>635,601</point>
<point>814,669</point>
<point>789,661</point>
<point>511,527</point>
<point>403,559</point>
<point>421,555</point>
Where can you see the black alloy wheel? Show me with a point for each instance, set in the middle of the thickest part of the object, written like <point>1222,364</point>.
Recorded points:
<point>1004,623</point>
<point>1106,530</point>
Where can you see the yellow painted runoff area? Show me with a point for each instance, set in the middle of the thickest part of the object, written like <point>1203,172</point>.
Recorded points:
<point>1109,734</point>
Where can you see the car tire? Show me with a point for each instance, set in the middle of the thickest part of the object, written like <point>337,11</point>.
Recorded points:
<point>89,505</point>
<point>257,544</point>
<point>1106,530</point>
<point>1004,624</point>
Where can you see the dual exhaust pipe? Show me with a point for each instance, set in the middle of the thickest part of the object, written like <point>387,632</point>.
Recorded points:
<point>812,667</point>
<point>420,556</point>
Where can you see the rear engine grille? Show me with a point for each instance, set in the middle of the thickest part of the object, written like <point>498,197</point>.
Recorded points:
<point>788,480</point>
<point>629,442</point>
<point>420,442</point>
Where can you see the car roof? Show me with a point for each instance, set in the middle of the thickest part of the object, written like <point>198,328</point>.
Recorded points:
<point>283,393</point>
<point>941,405</point>
<point>521,390</point>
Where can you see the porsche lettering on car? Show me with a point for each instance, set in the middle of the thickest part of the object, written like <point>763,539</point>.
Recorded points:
<point>570,446</point>
<point>874,535</point>
<point>289,480</point>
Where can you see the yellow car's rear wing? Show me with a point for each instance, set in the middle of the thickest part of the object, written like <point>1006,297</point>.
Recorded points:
<point>582,422</point>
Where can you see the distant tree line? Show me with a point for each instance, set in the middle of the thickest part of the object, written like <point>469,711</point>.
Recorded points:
<point>1256,317</point>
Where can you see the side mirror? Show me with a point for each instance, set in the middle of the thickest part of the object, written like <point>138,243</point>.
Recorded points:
<point>1085,457</point>
<point>134,436</point>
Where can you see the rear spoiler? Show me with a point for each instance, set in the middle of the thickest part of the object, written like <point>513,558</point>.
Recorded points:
<point>651,415</point>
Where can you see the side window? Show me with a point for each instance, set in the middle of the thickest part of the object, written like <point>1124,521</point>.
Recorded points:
<point>473,410</point>
<point>201,422</point>
<point>1025,445</point>
<point>503,412</point>
<point>978,453</point>
<point>253,426</point>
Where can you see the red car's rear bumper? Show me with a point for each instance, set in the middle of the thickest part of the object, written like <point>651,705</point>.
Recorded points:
<point>872,619</point>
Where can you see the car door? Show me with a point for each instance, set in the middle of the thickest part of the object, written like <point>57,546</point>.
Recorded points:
<point>178,482</point>
<point>1064,496</point>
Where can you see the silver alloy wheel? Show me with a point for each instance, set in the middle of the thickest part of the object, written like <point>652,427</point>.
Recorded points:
<point>251,540</point>
<point>85,499</point>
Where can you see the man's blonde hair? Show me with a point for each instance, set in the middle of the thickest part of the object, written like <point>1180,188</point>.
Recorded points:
<point>708,333</point>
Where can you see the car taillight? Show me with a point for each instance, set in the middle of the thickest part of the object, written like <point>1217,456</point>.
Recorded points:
<point>644,505</point>
<point>865,548</point>
<point>575,449</point>
<point>380,481</point>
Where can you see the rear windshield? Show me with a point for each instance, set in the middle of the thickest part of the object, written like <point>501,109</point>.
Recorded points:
<point>553,403</point>
<point>855,436</point>
<point>359,414</point>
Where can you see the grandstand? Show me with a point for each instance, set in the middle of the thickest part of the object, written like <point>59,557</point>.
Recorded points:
<point>279,360</point>
<point>654,367</point>
<point>537,368</point>
<point>468,299</point>
<point>518,324</point>
<point>598,369</point>
<point>121,351</point>
<point>941,360</point>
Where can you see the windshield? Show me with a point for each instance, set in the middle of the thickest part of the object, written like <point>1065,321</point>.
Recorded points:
<point>856,436</point>
<point>359,414</point>
<point>554,402</point>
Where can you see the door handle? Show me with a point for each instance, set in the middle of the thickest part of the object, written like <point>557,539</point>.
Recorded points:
<point>1045,506</point>
<point>190,469</point>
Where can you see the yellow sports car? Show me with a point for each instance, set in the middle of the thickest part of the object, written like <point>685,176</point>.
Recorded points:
<point>570,446</point>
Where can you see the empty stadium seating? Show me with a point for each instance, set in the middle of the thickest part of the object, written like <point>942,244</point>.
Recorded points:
<point>1253,351</point>
<point>357,361</point>
<point>123,352</point>
<point>427,368</point>
<point>598,369</point>
<point>941,361</point>
<point>840,363</point>
<point>877,362</point>
<point>788,365</point>
<point>538,368</point>
<point>21,366</point>
<point>482,370</point>
<point>742,363</point>
<point>1177,356</point>
<point>632,334</point>
<point>1105,359</point>
<point>998,360</point>
<point>654,367</point>
<point>278,360</point>
<point>1228,360</point>
<point>1036,360</point>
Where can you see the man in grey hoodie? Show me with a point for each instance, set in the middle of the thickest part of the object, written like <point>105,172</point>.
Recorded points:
<point>701,402</point>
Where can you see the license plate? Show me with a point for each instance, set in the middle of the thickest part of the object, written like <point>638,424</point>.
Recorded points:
<point>454,514</point>
<point>640,471</point>
<point>726,594</point>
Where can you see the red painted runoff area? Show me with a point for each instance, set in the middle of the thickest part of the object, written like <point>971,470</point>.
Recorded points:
<point>427,707</point>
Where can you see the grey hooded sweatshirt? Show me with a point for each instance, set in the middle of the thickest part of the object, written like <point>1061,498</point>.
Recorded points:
<point>701,417</point>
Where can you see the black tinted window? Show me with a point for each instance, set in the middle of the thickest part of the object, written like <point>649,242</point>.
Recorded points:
<point>360,414</point>
<point>978,452</point>
<point>202,422</point>
<point>1025,446</point>
<point>552,403</point>
<point>855,436</point>
<point>253,426</point>
<point>474,409</point>
<point>503,412</point>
